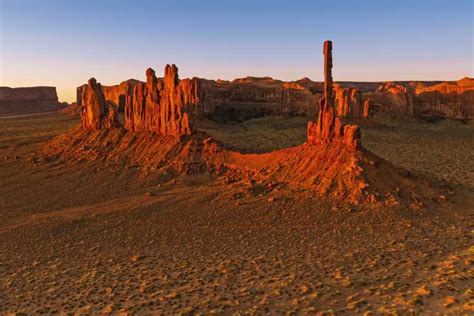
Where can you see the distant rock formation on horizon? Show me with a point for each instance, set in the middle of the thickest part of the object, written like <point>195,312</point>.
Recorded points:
<point>251,97</point>
<point>29,100</point>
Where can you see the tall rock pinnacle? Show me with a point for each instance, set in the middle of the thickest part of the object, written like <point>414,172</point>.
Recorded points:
<point>328,128</point>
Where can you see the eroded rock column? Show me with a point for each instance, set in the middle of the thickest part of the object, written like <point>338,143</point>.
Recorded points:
<point>95,112</point>
<point>329,128</point>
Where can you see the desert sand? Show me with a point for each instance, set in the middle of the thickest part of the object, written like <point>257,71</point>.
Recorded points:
<point>97,236</point>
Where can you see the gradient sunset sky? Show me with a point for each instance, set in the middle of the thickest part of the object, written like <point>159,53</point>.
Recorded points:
<point>64,43</point>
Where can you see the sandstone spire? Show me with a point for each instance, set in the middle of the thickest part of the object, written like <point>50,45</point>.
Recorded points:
<point>328,127</point>
<point>325,124</point>
<point>95,112</point>
<point>171,77</point>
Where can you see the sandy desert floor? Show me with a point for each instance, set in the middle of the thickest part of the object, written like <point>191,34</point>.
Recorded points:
<point>100,237</point>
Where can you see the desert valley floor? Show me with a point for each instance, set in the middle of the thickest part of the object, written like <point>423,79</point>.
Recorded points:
<point>98,237</point>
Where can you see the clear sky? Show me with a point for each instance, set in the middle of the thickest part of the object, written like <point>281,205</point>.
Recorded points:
<point>62,43</point>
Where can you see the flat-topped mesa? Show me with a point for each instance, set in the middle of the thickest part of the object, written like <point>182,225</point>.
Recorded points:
<point>158,105</point>
<point>329,128</point>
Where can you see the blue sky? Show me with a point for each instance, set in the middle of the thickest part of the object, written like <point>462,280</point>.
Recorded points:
<point>63,43</point>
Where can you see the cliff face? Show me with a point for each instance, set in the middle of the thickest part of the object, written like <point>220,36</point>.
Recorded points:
<point>454,100</point>
<point>420,99</point>
<point>261,95</point>
<point>351,99</point>
<point>17,101</point>
<point>393,98</point>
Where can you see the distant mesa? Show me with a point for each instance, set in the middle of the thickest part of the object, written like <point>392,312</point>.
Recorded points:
<point>31,100</point>
<point>151,124</point>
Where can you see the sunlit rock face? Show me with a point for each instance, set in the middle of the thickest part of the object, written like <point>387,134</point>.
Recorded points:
<point>96,112</point>
<point>159,105</point>
<point>329,128</point>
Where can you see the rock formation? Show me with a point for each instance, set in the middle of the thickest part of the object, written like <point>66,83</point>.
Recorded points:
<point>331,163</point>
<point>348,102</point>
<point>446,100</point>
<point>425,99</point>
<point>96,113</point>
<point>72,109</point>
<point>253,97</point>
<point>366,108</point>
<point>17,101</point>
<point>159,105</point>
<point>395,99</point>
<point>329,128</point>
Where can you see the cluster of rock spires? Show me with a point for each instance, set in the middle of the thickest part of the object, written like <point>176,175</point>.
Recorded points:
<point>350,103</point>
<point>331,162</point>
<point>251,97</point>
<point>159,105</point>
<point>329,128</point>
<point>162,106</point>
